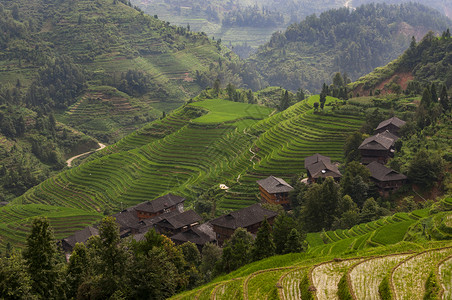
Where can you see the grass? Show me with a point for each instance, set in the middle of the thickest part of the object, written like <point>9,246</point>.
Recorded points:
<point>392,233</point>
<point>227,111</point>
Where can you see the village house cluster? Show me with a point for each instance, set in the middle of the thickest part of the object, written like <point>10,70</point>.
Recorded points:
<point>375,152</point>
<point>167,216</point>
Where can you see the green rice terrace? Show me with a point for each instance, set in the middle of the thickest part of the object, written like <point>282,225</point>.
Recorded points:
<point>193,150</point>
<point>357,263</point>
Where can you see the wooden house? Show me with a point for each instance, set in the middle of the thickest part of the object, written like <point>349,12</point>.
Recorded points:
<point>392,125</point>
<point>198,235</point>
<point>379,148</point>
<point>385,179</point>
<point>127,221</point>
<point>249,218</point>
<point>319,166</point>
<point>161,205</point>
<point>275,190</point>
<point>177,223</point>
<point>81,236</point>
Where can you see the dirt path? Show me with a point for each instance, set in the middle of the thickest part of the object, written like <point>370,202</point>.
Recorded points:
<point>69,161</point>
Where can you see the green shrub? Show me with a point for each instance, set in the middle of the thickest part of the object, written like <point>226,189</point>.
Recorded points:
<point>343,292</point>
<point>385,289</point>
<point>305,288</point>
<point>432,288</point>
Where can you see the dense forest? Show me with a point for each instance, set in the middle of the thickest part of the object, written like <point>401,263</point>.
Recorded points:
<point>350,41</point>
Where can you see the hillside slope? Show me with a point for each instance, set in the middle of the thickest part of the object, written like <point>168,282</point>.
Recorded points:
<point>194,150</point>
<point>349,41</point>
<point>130,65</point>
<point>353,262</point>
<point>422,63</point>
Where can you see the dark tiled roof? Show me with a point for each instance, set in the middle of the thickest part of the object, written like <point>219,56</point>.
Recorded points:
<point>81,236</point>
<point>244,217</point>
<point>321,167</point>
<point>315,159</point>
<point>179,220</point>
<point>160,203</point>
<point>380,141</point>
<point>382,173</point>
<point>274,185</point>
<point>199,235</point>
<point>390,135</point>
<point>394,121</point>
<point>127,219</point>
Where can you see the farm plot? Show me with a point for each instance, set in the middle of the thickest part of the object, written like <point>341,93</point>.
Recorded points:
<point>290,284</point>
<point>232,289</point>
<point>366,276</point>
<point>408,278</point>
<point>445,273</point>
<point>262,284</point>
<point>326,277</point>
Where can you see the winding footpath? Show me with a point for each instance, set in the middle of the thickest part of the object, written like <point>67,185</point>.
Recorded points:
<point>69,161</point>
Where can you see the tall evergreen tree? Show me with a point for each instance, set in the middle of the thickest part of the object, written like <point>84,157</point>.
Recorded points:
<point>15,281</point>
<point>263,246</point>
<point>281,230</point>
<point>444,98</point>
<point>434,93</point>
<point>41,256</point>
<point>285,101</point>
<point>78,270</point>
<point>237,250</point>
<point>294,242</point>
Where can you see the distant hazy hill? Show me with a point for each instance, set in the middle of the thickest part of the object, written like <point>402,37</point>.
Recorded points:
<point>350,41</point>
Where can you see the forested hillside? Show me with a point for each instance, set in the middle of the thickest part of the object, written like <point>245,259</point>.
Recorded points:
<point>97,60</point>
<point>350,41</point>
<point>245,25</point>
<point>97,68</point>
<point>444,6</point>
<point>422,63</point>
<point>242,25</point>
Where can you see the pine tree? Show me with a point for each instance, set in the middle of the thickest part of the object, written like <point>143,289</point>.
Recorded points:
<point>281,230</point>
<point>434,94</point>
<point>285,101</point>
<point>78,269</point>
<point>444,98</point>
<point>40,255</point>
<point>263,246</point>
<point>294,242</point>
<point>426,100</point>
<point>15,282</point>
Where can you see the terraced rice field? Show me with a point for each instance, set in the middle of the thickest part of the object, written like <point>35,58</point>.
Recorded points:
<point>408,278</point>
<point>15,221</point>
<point>227,290</point>
<point>262,284</point>
<point>186,156</point>
<point>445,276</point>
<point>289,284</point>
<point>365,277</point>
<point>325,277</point>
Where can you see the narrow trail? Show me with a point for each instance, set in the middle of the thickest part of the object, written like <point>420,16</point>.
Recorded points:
<point>69,161</point>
